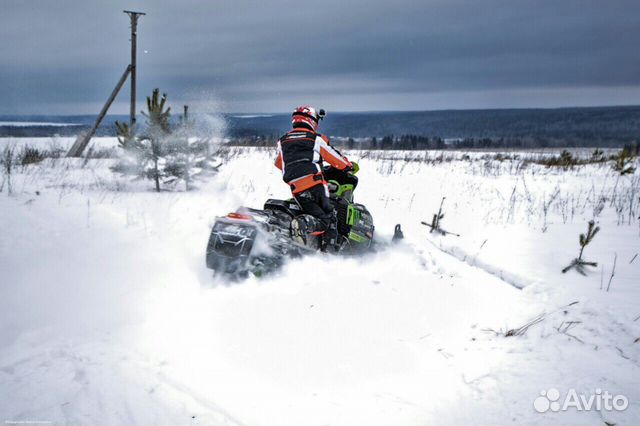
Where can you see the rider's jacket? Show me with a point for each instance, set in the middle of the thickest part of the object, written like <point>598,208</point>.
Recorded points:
<point>300,155</point>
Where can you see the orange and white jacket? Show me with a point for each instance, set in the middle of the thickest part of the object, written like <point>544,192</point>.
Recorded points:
<point>300,156</point>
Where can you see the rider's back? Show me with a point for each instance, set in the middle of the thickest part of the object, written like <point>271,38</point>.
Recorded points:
<point>299,156</point>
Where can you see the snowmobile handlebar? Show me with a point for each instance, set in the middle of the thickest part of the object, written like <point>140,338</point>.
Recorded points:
<point>349,170</point>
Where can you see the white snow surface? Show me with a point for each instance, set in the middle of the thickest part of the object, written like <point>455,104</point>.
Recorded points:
<point>109,315</point>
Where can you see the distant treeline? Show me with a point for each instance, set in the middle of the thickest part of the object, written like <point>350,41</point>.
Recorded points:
<point>498,128</point>
<point>417,142</point>
<point>598,126</point>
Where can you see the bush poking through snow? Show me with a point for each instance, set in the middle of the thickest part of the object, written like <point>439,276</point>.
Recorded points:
<point>598,155</point>
<point>30,155</point>
<point>578,263</point>
<point>519,331</point>
<point>565,160</point>
<point>7,161</point>
<point>162,153</point>
<point>623,162</point>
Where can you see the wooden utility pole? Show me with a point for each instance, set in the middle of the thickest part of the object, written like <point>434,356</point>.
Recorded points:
<point>83,139</point>
<point>133,16</point>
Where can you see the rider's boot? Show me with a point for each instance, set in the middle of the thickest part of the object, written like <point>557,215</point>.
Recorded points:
<point>330,236</point>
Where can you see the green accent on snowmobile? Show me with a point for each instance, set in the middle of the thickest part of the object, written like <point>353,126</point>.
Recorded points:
<point>342,188</point>
<point>353,215</point>
<point>357,237</point>
<point>230,249</point>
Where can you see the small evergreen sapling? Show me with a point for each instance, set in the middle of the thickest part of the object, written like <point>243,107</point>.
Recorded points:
<point>164,153</point>
<point>157,131</point>
<point>184,153</point>
<point>435,222</point>
<point>188,157</point>
<point>146,152</point>
<point>578,263</point>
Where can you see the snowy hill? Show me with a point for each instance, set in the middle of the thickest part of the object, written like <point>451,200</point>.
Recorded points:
<point>110,316</point>
<point>592,126</point>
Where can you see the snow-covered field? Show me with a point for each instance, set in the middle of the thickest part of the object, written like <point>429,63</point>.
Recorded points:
<point>109,315</point>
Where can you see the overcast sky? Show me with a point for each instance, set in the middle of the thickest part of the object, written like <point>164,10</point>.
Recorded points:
<point>64,56</point>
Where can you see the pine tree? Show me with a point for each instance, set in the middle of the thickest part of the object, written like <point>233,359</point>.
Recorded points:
<point>187,157</point>
<point>158,129</point>
<point>163,153</point>
<point>578,263</point>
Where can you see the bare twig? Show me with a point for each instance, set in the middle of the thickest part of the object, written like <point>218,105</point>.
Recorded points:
<point>601,276</point>
<point>573,337</point>
<point>564,327</point>
<point>613,271</point>
<point>633,258</point>
<point>446,355</point>
<point>568,325</point>
<point>439,230</point>
<point>479,250</point>
<point>622,353</point>
<point>521,330</point>
<point>88,213</point>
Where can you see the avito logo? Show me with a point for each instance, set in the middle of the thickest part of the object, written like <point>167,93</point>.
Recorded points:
<point>551,400</point>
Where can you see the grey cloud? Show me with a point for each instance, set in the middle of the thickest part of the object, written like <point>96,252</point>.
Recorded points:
<point>262,56</point>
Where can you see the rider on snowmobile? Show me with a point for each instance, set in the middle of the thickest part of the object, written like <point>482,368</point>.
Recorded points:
<point>301,152</point>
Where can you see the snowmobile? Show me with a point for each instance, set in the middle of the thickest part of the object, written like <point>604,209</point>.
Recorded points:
<point>258,241</point>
